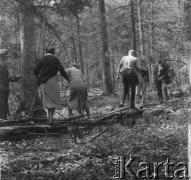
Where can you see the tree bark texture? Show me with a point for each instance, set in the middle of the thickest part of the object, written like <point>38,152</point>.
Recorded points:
<point>141,34</point>
<point>134,44</point>
<point>79,43</point>
<point>28,81</point>
<point>152,43</point>
<point>4,92</point>
<point>187,30</point>
<point>73,41</point>
<point>107,80</point>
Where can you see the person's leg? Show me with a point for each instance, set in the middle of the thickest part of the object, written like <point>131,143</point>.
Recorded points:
<point>132,102</point>
<point>51,110</point>
<point>125,88</point>
<point>69,112</point>
<point>125,92</point>
<point>132,82</point>
<point>88,113</point>
<point>144,86</point>
<point>128,93</point>
<point>49,116</point>
<point>7,106</point>
<point>159,89</point>
<point>164,89</point>
<point>138,91</point>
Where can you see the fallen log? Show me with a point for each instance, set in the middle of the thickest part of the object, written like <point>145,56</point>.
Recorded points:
<point>61,126</point>
<point>32,119</point>
<point>23,120</point>
<point>41,120</point>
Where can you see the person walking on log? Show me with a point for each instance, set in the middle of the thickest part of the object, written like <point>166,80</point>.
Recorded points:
<point>46,72</point>
<point>5,78</point>
<point>143,77</point>
<point>127,67</point>
<point>78,91</point>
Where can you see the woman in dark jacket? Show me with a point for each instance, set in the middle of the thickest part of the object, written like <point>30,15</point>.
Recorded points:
<point>46,71</point>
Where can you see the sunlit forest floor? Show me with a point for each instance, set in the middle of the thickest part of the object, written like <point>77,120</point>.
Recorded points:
<point>92,157</point>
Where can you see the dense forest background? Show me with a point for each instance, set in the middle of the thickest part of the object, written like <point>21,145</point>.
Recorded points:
<point>96,34</point>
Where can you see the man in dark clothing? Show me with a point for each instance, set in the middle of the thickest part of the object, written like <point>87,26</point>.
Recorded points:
<point>4,84</point>
<point>127,67</point>
<point>161,79</point>
<point>46,72</point>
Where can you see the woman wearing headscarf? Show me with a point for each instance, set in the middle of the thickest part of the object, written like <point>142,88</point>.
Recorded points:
<point>46,71</point>
<point>78,90</point>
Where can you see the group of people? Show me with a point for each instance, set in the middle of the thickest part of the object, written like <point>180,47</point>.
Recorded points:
<point>135,76</point>
<point>133,70</point>
<point>46,72</point>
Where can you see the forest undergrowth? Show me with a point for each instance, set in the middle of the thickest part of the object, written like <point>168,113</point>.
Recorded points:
<point>45,157</point>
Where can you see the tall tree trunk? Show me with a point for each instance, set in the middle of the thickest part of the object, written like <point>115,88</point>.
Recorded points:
<point>73,42</point>
<point>79,43</point>
<point>152,26</point>
<point>134,44</point>
<point>152,43</point>
<point>141,34</point>
<point>107,80</point>
<point>28,82</point>
<point>74,48</point>
<point>187,30</point>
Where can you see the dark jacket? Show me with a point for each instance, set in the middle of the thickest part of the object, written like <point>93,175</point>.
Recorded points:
<point>47,68</point>
<point>161,73</point>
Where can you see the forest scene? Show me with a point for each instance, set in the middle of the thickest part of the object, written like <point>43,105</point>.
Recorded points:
<point>96,35</point>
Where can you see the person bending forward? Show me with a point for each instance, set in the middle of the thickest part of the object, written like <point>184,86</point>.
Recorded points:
<point>78,91</point>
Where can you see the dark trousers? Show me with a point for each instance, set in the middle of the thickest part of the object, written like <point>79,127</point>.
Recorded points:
<point>161,89</point>
<point>130,80</point>
<point>4,108</point>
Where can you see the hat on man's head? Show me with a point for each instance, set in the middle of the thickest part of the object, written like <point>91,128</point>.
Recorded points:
<point>3,52</point>
<point>51,50</point>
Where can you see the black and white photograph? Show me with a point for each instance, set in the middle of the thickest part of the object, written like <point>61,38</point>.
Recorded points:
<point>95,89</point>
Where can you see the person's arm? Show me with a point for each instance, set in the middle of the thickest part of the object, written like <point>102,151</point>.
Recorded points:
<point>119,68</point>
<point>62,71</point>
<point>164,72</point>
